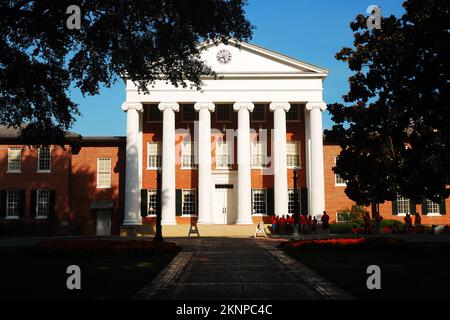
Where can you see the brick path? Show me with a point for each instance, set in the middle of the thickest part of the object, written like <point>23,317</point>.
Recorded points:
<point>224,268</point>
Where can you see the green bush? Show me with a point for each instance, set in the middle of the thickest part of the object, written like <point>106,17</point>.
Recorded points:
<point>341,228</point>
<point>353,215</point>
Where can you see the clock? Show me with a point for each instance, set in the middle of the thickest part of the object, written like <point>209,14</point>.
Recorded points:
<point>223,56</point>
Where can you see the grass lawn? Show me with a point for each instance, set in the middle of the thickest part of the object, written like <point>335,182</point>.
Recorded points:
<point>417,272</point>
<point>27,274</point>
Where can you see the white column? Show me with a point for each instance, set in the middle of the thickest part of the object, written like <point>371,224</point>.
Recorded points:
<point>308,157</point>
<point>204,162</point>
<point>168,215</point>
<point>317,189</point>
<point>279,158</point>
<point>132,215</point>
<point>244,164</point>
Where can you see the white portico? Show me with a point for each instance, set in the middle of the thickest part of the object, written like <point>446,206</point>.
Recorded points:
<point>247,76</point>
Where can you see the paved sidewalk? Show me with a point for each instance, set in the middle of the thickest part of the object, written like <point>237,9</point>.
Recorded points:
<point>224,268</point>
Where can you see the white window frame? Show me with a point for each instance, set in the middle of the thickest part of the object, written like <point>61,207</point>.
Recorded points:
<point>435,213</point>
<point>298,113</point>
<point>299,146</point>
<point>254,191</point>
<point>152,106</point>
<point>291,193</point>
<point>229,107</point>
<point>101,172</point>
<point>263,154</point>
<point>228,155</point>
<point>10,161</point>
<point>8,215</point>
<point>152,193</point>
<point>265,107</point>
<point>183,193</point>
<point>38,215</point>
<point>191,165</point>
<point>158,155</point>
<point>405,205</point>
<point>337,176</point>
<point>49,161</point>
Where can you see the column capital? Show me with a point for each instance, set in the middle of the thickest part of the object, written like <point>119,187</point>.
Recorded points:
<point>132,105</point>
<point>280,105</point>
<point>205,105</point>
<point>313,105</point>
<point>244,105</point>
<point>169,105</point>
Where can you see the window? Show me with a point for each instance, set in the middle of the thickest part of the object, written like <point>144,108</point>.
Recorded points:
<point>403,206</point>
<point>153,155</point>
<point>152,201</point>
<point>189,202</point>
<point>14,158</point>
<point>223,112</point>
<point>12,204</point>
<point>338,179</point>
<point>293,154</point>
<point>259,113</point>
<point>259,201</point>
<point>258,154</point>
<point>189,158</point>
<point>293,114</point>
<point>291,203</point>
<point>223,155</point>
<point>153,113</point>
<point>188,113</point>
<point>44,159</point>
<point>42,204</point>
<point>433,207</point>
<point>104,173</point>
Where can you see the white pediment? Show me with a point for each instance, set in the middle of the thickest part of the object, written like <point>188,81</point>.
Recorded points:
<point>249,59</point>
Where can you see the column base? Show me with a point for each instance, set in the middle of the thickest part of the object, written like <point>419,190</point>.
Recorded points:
<point>131,231</point>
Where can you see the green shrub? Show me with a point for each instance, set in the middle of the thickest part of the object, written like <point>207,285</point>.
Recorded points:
<point>353,215</point>
<point>341,228</point>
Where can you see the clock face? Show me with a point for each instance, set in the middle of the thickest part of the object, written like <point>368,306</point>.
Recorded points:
<point>223,56</point>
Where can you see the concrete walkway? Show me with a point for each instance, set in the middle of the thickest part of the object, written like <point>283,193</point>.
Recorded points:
<point>212,269</point>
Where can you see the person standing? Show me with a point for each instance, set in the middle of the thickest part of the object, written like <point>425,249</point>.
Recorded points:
<point>366,223</point>
<point>418,223</point>
<point>325,222</point>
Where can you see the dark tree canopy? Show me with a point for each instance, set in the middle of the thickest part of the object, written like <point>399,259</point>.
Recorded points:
<point>394,127</point>
<point>40,58</point>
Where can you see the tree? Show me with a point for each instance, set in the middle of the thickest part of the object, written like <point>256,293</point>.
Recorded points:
<point>393,126</point>
<point>40,57</point>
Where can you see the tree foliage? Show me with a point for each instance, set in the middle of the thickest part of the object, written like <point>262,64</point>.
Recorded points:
<point>40,58</point>
<point>393,126</point>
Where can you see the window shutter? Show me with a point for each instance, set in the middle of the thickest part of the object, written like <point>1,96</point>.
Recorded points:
<point>304,201</point>
<point>395,208</point>
<point>424,207</point>
<point>270,208</point>
<point>178,201</point>
<point>144,202</point>
<point>52,202</point>
<point>33,203</point>
<point>442,209</point>
<point>21,203</point>
<point>2,203</point>
<point>412,207</point>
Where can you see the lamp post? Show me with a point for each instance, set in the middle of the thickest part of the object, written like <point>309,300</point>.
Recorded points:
<point>296,209</point>
<point>158,232</point>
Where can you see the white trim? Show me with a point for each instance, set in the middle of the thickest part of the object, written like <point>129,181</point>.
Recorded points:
<point>159,153</point>
<point>195,202</point>
<point>265,202</point>
<point>13,217</point>
<point>336,184</point>
<point>38,216</point>
<point>299,146</point>
<point>10,149</point>
<point>193,145</point>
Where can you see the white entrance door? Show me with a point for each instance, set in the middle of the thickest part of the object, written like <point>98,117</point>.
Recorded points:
<point>103,223</point>
<point>225,206</point>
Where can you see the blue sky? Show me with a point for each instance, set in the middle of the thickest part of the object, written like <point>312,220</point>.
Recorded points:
<point>312,31</point>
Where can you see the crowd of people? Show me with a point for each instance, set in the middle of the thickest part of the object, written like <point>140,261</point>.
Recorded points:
<point>308,224</point>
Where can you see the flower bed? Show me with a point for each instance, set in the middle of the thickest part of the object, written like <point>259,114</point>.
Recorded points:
<point>368,243</point>
<point>92,247</point>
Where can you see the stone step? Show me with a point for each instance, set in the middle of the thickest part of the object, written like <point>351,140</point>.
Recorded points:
<point>215,230</point>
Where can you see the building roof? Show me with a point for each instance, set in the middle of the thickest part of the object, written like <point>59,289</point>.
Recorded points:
<point>8,132</point>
